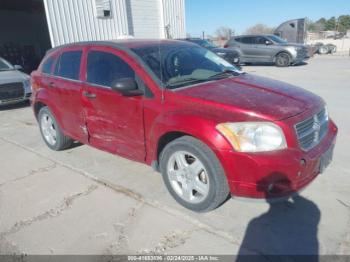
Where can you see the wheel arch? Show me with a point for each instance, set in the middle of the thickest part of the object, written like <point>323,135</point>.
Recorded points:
<point>186,125</point>
<point>37,106</point>
<point>283,51</point>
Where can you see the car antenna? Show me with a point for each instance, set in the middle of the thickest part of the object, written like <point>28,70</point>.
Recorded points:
<point>161,72</point>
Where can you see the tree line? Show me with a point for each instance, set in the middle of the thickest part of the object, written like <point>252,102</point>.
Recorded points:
<point>340,24</point>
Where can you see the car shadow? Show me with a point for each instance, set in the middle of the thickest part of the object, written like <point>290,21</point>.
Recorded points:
<point>76,144</point>
<point>15,106</point>
<point>286,232</point>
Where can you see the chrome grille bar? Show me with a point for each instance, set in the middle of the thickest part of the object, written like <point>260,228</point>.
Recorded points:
<point>312,130</point>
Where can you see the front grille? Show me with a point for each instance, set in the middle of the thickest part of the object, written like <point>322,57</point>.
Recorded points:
<point>11,91</point>
<point>312,130</point>
<point>302,53</point>
<point>230,57</point>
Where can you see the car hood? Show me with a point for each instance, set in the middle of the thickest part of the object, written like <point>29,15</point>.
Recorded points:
<point>12,76</point>
<point>221,50</point>
<point>256,95</point>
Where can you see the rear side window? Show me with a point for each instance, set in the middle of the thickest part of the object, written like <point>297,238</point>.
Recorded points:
<point>47,65</point>
<point>105,68</point>
<point>68,65</point>
<point>247,40</point>
<point>238,39</point>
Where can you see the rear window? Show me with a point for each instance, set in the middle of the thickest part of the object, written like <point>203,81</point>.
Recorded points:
<point>47,65</point>
<point>68,65</point>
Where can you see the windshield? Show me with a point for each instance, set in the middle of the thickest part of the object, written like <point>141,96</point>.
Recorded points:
<point>181,65</point>
<point>4,65</point>
<point>277,39</point>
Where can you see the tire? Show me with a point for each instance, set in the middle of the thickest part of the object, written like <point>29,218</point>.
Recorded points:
<point>282,60</point>
<point>51,132</point>
<point>209,179</point>
<point>322,50</point>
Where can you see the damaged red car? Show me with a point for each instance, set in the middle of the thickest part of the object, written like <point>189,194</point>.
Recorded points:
<point>210,129</point>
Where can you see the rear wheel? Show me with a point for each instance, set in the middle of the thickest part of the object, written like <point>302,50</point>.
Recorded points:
<point>193,174</point>
<point>282,60</point>
<point>51,132</point>
<point>323,50</point>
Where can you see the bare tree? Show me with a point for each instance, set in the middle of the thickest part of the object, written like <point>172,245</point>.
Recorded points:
<point>224,32</point>
<point>259,29</point>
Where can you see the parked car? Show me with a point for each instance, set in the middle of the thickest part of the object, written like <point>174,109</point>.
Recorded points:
<point>209,129</point>
<point>230,56</point>
<point>14,85</point>
<point>267,49</point>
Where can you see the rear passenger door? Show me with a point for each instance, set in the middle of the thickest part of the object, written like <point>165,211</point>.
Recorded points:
<point>65,90</point>
<point>114,121</point>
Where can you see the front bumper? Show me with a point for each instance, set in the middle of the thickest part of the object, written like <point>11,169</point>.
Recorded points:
<point>6,102</point>
<point>274,174</point>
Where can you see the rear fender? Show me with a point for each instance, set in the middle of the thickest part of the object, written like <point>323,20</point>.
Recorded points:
<point>42,96</point>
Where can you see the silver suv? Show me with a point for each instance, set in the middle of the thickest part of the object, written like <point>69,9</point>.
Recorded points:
<point>267,49</point>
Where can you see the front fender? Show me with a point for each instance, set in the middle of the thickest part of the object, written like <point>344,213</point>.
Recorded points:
<point>194,125</point>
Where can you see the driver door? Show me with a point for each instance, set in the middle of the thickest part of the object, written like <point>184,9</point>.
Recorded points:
<point>262,51</point>
<point>114,122</point>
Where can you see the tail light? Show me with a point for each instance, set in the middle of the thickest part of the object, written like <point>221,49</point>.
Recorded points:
<point>226,46</point>
<point>34,85</point>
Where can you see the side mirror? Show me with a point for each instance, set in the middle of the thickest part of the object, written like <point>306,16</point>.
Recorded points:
<point>127,87</point>
<point>267,42</point>
<point>18,67</point>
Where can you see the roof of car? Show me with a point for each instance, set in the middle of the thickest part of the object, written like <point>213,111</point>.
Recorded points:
<point>125,43</point>
<point>237,36</point>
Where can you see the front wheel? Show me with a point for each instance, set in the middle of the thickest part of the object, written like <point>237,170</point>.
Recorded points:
<point>282,60</point>
<point>193,174</point>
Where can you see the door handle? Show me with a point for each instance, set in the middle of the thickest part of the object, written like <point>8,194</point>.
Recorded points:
<point>51,84</point>
<point>89,95</point>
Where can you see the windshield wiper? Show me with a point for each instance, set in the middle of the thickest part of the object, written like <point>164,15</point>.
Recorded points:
<point>185,81</point>
<point>225,73</point>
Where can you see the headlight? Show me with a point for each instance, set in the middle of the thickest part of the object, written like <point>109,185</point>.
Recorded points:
<point>26,84</point>
<point>221,54</point>
<point>253,136</point>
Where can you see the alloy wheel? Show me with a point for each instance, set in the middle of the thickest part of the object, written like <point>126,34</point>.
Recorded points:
<point>188,177</point>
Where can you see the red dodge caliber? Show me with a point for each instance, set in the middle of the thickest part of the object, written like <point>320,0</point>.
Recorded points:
<point>210,129</point>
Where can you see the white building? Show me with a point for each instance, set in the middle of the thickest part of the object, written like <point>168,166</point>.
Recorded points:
<point>33,26</point>
<point>76,20</point>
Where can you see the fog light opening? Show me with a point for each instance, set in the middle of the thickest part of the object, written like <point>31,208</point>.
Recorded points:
<point>270,187</point>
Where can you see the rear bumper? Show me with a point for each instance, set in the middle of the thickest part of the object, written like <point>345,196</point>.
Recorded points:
<point>274,174</point>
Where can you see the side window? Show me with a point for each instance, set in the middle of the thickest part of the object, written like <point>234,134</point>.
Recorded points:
<point>105,68</point>
<point>260,40</point>
<point>238,39</point>
<point>47,65</point>
<point>68,65</point>
<point>247,40</point>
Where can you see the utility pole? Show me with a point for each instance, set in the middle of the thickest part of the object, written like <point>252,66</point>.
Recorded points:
<point>203,34</point>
